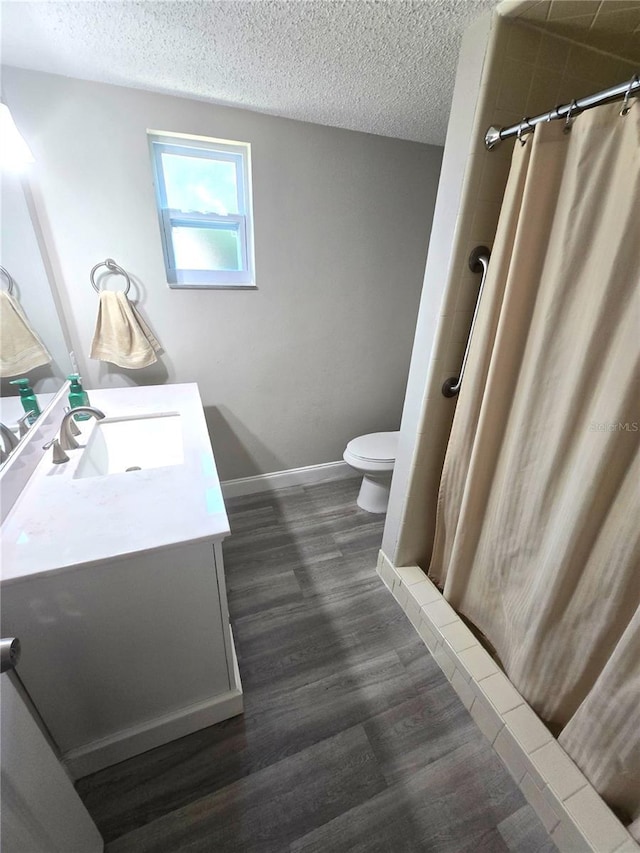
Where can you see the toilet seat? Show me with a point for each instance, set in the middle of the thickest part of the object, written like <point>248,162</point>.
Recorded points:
<point>374,453</point>
<point>376,447</point>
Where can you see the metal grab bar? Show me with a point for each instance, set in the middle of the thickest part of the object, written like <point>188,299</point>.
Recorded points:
<point>478,262</point>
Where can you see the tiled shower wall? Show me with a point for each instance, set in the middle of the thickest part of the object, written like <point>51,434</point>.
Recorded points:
<point>526,71</point>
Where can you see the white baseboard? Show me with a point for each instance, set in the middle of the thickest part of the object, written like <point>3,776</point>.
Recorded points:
<point>129,742</point>
<point>284,479</point>
<point>132,741</point>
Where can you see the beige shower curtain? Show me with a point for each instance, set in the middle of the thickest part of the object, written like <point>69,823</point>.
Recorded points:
<point>538,529</point>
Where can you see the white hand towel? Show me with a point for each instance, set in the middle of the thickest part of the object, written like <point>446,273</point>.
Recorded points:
<point>20,347</point>
<point>122,336</point>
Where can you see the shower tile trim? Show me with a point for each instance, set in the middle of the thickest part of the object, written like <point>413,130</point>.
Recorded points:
<point>574,814</point>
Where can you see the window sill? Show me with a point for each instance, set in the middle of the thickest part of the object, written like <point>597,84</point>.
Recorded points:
<point>210,286</point>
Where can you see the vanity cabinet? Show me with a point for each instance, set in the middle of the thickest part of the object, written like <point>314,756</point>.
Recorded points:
<point>126,654</point>
<point>114,584</point>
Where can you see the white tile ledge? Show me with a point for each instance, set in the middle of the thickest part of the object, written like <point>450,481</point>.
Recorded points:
<point>572,811</point>
<point>458,637</point>
<point>477,663</point>
<point>551,763</point>
<point>411,574</point>
<point>527,728</point>
<point>599,825</point>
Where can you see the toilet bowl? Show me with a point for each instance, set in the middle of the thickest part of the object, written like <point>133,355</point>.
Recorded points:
<point>374,456</point>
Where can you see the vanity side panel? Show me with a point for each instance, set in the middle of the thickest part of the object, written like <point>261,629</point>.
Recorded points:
<point>230,653</point>
<point>111,646</point>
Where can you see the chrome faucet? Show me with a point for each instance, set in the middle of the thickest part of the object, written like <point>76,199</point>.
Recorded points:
<point>23,425</point>
<point>9,442</point>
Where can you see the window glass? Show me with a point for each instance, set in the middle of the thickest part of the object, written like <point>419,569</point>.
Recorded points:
<point>200,184</point>
<point>206,248</point>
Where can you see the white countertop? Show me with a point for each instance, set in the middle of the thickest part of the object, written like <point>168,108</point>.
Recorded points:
<point>59,522</point>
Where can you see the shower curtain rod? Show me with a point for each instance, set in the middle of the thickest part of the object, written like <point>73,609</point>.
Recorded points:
<point>494,134</point>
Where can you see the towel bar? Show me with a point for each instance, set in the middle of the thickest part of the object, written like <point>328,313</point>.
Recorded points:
<point>478,262</point>
<point>113,267</point>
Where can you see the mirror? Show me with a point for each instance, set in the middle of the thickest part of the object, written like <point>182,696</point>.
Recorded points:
<point>33,345</point>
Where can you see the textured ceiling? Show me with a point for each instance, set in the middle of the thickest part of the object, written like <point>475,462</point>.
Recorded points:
<point>383,67</point>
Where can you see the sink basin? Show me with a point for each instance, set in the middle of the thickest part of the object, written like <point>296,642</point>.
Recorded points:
<point>135,443</point>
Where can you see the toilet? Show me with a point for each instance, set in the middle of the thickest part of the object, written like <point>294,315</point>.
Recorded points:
<point>374,456</point>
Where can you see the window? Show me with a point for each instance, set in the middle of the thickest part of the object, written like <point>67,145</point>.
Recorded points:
<point>203,193</point>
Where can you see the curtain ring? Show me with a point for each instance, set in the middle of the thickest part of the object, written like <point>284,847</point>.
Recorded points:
<point>567,122</point>
<point>553,114</point>
<point>625,104</point>
<point>522,130</point>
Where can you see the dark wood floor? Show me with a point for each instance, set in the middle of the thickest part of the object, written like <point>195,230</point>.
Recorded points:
<point>351,740</point>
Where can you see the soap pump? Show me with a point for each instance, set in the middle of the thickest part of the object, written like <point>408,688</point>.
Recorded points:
<point>78,396</point>
<point>28,399</point>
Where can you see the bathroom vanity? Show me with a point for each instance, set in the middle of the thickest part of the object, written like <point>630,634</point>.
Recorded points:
<point>113,579</point>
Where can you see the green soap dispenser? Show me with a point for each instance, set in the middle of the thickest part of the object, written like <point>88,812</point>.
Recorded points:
<point>78,397</point>
<point>28,399</point>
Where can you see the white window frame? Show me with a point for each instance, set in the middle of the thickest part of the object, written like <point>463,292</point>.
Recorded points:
<point>242,222</point>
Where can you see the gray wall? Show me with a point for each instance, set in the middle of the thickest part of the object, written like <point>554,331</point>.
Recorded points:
<point>320,352</point>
